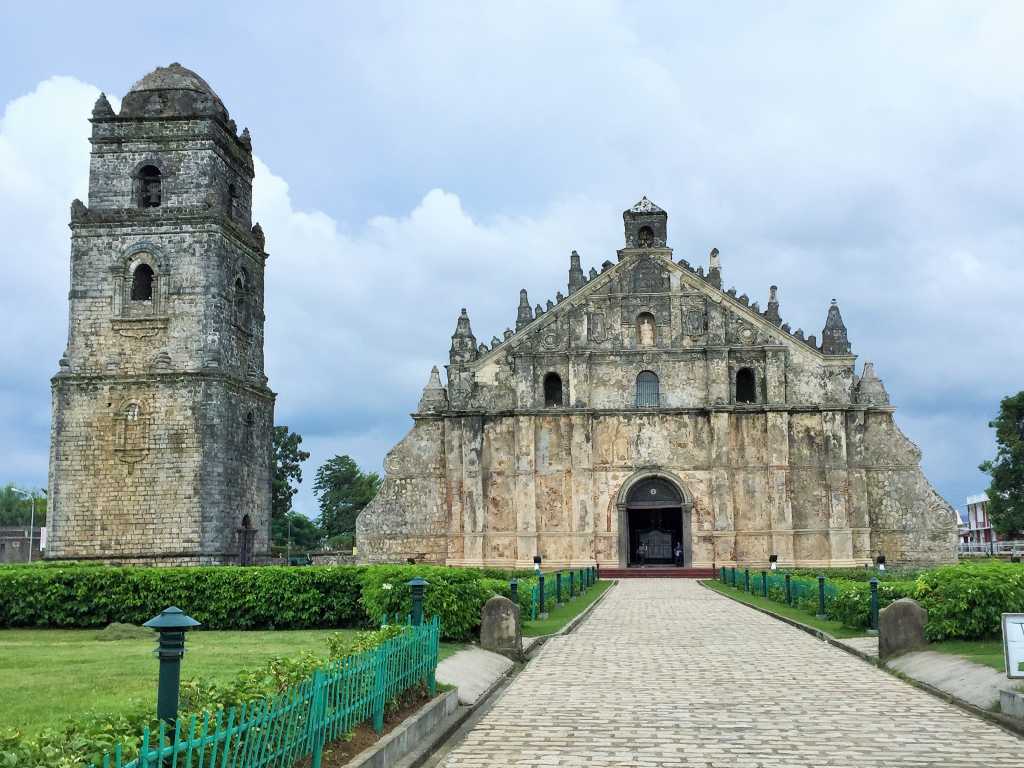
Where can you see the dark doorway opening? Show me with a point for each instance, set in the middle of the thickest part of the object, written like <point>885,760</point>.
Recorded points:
<point>654,518</point>
<point>659,530</point>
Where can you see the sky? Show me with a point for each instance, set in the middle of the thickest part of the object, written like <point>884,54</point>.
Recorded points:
<point>416,158</point>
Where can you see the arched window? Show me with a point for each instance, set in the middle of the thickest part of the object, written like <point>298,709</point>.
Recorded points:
<point>232,199</point>
<point>242,300</point>
<point>646,333</point>
<point>142,283</point>
<point>647,390</point>
<point>553,390</point>
<point>645,237</point>
<point>150,187</point>
<point>746,386</point>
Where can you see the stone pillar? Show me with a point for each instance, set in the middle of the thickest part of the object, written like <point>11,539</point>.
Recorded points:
<point>474,513</point>
<point>840,537</point>
<point>781,509</point>
<point>578,395</point>
<point>581,482</point>
<point>525,491</point>
<point>857,497</point>
<point>775,375</point>
<point>719,482</point>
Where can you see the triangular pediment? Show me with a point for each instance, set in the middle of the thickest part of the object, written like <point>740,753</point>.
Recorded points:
<point>651,278</point>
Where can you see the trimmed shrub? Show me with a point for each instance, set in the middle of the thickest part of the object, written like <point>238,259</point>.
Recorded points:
<point>966,601</point>
<point>852,602</point>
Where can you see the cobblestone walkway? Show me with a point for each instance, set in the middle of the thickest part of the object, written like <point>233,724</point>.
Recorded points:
<point>667,673</point>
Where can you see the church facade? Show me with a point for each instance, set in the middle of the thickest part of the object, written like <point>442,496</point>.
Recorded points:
<point>160,449</point>
<point>650,414</point>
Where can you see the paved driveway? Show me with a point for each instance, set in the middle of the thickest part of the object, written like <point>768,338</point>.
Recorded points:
<point>667,673</point>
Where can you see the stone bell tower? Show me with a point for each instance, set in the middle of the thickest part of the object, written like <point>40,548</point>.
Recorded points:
<point>160,449</point>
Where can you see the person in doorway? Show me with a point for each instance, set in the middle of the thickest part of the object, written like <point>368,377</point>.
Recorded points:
<point>677,554</point>
<point>641,553</point>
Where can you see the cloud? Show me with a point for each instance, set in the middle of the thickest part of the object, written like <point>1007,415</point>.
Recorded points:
<point>444,158</point>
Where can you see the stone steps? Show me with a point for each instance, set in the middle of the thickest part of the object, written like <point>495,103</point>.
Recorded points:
<point>657,572</point>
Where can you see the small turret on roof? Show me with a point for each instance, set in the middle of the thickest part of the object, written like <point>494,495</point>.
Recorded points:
<point>870,389</point>
<point>646,225</point>
<point>434,398</point>
<point>576,279</point>
<point>772,313</point>
<point>833,338</point>
<point>463,348</point>
<point>525,315</point>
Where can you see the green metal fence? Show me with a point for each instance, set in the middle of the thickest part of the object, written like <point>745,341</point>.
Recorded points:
<point>572,583</point>
<point>282,730</point>
<point>802,592</point>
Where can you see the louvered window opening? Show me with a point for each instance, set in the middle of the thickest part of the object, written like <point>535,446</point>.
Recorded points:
<point>647,390</point>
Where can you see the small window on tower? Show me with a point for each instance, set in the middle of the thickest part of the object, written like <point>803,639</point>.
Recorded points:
<point>553,390</point>
<point>746,386</point>
<point>232,199</point>
<point>142,283</point>
<point>645,237</point>
<point>150,187</point>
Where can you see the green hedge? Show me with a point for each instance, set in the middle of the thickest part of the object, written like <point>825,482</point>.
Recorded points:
<point>227,597</point>
<point>965,601</point>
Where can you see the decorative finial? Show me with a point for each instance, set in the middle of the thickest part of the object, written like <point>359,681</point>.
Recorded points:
<point>576,280</point>
<point>102,107</point>
<point>525,315</point>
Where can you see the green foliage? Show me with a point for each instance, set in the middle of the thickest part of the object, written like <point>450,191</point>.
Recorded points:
<point>966,601</point>
<point>16,509</point>
<point>852,603</point>
<point>860,574</point>
<point>84,741</point>
<point>119,631</point>
<point>343,490</point>
<point>288,458</point>
<point>1006,493</point>
<point>303,533</point>
<point>223,597</point>
<point>456,595</point>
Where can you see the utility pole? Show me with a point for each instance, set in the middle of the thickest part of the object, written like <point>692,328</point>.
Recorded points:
<point>32,516</point>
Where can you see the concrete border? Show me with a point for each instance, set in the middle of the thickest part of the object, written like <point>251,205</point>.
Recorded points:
<point>1009,724</point>
<point>422,726</point>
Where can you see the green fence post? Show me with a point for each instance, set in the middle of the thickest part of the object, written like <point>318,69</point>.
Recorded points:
<point>318,718</point>
<point>379,688</point>
<point>746,579</point>
<point>171,624</point>
<point>789,590</point>
<point>417,586</point>
<point>540,588</point>
<point>821,596</point>
<point>558,588</point>
<point>733,576</point>
<point>764,583</point>
<point>873,616</point>
<point>572,585</point>
<point>513,588</point>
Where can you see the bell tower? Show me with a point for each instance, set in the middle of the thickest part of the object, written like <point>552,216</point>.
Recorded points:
<point>160,447</point>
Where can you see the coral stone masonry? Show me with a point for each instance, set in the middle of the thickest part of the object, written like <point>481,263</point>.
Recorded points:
<point>652,417</point>
<point>162,417</point>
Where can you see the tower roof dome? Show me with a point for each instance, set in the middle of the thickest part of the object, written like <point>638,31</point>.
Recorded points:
<point>172,91</point>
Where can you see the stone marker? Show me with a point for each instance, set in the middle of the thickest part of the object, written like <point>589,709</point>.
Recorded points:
<point>499,627</point>
<point>901,628</point>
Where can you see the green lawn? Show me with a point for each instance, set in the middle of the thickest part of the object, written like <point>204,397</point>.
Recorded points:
<point>50,675</point>
<point>565,613</point>
<point>987,652</point>
<point>834,628</point>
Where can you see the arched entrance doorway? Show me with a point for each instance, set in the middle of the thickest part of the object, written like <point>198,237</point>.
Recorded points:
<point>654,517</point>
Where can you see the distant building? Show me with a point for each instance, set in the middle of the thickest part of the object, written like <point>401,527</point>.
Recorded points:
<point>977,527</point>
<point>14,542</point>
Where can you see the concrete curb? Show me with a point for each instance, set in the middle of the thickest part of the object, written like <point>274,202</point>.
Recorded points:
<point>1009,724</point>
<point>412,732</point>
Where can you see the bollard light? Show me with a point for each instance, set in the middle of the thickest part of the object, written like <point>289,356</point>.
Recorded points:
<point>513,588</point>
<point>171,625</point>
<point>417,586</point>
<point>873,614</point>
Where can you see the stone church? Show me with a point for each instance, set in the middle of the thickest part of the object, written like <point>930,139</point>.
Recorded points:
<point>650,411</point>
<point>160,448</point>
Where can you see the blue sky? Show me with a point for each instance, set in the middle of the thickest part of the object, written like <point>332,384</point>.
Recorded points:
<point>417,158</point>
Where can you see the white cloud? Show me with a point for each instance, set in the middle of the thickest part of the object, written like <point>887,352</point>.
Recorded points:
<point>456,156</point>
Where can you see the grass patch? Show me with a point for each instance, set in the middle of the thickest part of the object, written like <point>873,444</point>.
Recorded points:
<point>987,652</point>
<point>834,628</point>
<point>566,612</point>
<point>48,676</point>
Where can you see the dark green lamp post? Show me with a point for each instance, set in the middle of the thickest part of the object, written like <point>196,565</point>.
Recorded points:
<point>171,624</point>
<point>513,588</point>
<point>417,587</point>
<point>873,608</point>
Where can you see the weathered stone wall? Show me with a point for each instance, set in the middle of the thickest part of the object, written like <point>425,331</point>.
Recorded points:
<point>162,418</point>
<point>808,465</point>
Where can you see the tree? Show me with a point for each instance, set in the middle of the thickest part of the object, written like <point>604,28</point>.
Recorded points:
<point>342,490</point>
<point>288,458</point>
<point>1006,493</point>
<point>305,535</point>
<point>16,508</point>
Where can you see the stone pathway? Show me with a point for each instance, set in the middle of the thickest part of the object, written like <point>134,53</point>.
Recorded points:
<point>668,673</point>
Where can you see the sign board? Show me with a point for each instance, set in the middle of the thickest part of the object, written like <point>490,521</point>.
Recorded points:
<point>1013,644</point>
